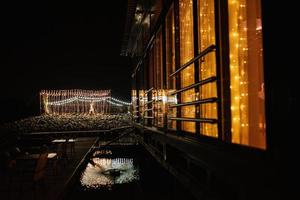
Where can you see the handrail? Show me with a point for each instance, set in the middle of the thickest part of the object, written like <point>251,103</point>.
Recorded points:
<point>149,101</point>
<point>146,110</point>
<point>146,92</point>
<point>202,101</point>
<point>202,82</point>
<point>149,117</point>
<point>202,120</point>
<point>74,132</point>
<point>200,55</point>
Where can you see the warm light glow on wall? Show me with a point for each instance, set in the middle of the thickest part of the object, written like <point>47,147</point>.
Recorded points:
<point>206,26</point>
<point>186,54</point>
<point>246,73</point>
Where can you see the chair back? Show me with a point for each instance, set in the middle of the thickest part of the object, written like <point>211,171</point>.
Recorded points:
<point>62,150</point>
<point>41,165</point>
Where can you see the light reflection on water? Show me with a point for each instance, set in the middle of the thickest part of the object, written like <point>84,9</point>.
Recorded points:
<point>93,177</point>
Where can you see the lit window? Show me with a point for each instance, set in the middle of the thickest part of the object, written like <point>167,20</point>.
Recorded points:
<point>206,32</point>
<point>186,54</point>
<point>170,64</point>
<point>246,73</point>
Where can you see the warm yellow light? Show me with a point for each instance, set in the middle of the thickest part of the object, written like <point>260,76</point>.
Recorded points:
<point>246,64</point>
<point>235,34</point>
<point>187,53</point>
<point>206,21</point>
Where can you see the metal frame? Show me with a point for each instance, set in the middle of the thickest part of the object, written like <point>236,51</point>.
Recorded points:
<point>193,60</point>
<point>202,82</point>
<point>221,49</point>
<point>197,56</point>
<point>202,101</point>
<point>177,61</point>
<point>223,69</point>
<point>196,64</point>
<point>202,120</point>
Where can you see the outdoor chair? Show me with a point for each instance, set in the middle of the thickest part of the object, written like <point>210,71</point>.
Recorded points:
<point>71,142</point>
<point>62,155</point>
<point>34,178</point>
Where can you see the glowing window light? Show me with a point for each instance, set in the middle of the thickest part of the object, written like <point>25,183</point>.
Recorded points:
<point>207,65</point>
<point>187,53</point>
<point>246,73</point>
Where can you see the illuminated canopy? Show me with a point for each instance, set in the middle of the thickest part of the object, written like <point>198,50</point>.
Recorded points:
<point>78,101</point>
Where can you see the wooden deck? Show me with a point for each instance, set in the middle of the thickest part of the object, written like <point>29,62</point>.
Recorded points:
<point>14,187</point>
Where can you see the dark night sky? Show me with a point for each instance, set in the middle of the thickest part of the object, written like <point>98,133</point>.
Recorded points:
<point>60,44</point>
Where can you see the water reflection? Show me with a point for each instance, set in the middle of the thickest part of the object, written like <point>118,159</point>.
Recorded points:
<point>111,172</point>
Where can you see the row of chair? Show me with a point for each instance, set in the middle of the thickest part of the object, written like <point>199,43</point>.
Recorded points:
<point>18,169</point>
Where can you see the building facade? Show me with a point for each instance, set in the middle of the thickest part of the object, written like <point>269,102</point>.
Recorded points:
<point>198,92</point>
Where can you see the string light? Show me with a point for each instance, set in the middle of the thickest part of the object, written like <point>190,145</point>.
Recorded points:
<point>186,53</point>
<point>238,62</point>
<point>113,103</point>
<point>207,65</point>
<point>245,69</point>
<point>87,99</point>
<point>78,101</point>
<point>120,101</point>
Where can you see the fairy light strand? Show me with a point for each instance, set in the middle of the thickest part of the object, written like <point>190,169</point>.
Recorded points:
<point>78,101</point>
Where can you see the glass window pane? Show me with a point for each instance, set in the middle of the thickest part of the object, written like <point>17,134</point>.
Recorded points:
<point>151,84</point>
<point>186,54</point>
<point>208,90</point>
<point>206,33</point>
<point>170,47</point>
<point>170,64</point>
<point>246,73</point>
<point>206,20</point>
<point>159,107</point>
